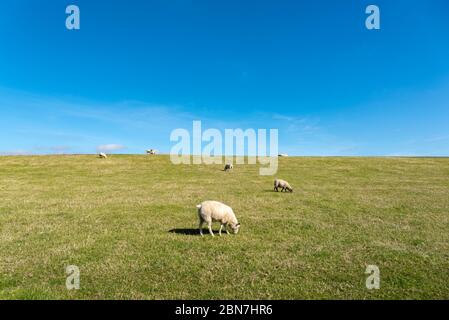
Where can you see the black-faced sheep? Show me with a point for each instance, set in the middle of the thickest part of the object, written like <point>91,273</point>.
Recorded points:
<point>228,167</point>
<point>151,152</point>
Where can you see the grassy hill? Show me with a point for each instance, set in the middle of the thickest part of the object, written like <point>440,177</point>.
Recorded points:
<point>130,224</point>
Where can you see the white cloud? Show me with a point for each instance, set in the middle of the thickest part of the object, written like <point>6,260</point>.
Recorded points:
<point>52,149</point>
<point>110,147</point>
<point>15,153</point>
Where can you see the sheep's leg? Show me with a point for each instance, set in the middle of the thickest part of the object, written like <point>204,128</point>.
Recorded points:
<point>201,227</point>
<point>209,224</point>
<point>221,228</point>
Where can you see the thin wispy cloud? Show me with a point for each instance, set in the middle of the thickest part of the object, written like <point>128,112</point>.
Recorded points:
<point>110,147</point>
<point>298,124</point>
<point>15,153</point>
<point>80,126</point>
<point>85,125</point>
<point>35,124</point>
<point>52,149</point>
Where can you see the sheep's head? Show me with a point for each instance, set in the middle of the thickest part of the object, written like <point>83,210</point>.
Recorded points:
<point>235,228</point>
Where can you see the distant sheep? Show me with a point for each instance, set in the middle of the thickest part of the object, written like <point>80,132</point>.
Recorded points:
<point>284,185</point>
<point>103,155</point>
<point>210,211</point>
<point>283,155</point>
<point>151,152</point>
<point>228,167</point>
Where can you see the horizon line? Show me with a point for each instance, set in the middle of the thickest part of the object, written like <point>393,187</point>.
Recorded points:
<point>236,156</point>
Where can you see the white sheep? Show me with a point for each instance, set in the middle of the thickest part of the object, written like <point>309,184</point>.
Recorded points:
<point>102,155</point>
<point>279,183</point>
<point>283,155</point>
<point>228,167</point>
<point>210,211</point>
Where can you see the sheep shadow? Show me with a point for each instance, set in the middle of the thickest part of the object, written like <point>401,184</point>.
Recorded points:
<point>274,191</point>
<point>191,231</point>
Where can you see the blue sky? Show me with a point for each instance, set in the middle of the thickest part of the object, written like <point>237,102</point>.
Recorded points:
<point>139,69</point>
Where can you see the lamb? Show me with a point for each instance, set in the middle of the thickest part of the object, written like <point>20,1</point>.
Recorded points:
<point>210,211</point>
<point>279,183</point>
<point>228,167</point>
<point>102,155</point>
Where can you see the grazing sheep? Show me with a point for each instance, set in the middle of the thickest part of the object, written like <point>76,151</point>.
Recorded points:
<point>103,155</point>
<point>284,185</point>
<point>210,211</point>
<point>283,155</point>
<point>151,152</point>
<point>228,167</point>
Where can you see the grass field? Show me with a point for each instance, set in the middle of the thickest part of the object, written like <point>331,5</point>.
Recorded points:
<point>130,224</point>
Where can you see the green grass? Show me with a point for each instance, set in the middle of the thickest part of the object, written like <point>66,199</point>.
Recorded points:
<point>128,223</point>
